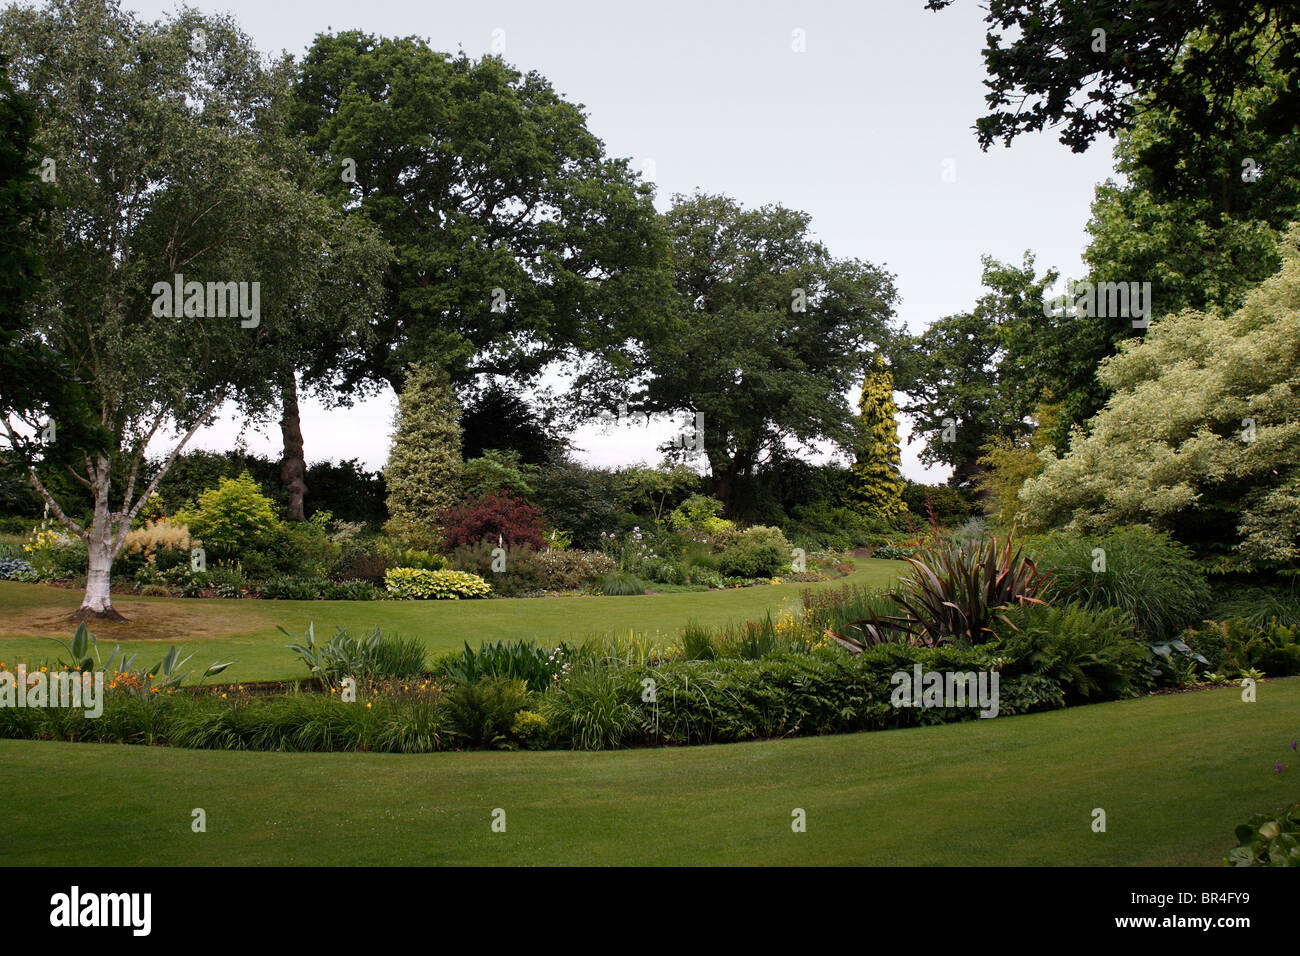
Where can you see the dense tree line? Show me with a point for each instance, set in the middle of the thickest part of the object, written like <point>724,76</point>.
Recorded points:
<point>189,224</point>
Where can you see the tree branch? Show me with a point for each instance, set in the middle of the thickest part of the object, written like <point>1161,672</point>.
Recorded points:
<point>199,422</point>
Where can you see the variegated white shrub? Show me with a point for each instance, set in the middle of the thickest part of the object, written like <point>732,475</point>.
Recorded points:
<point>1205,414</point>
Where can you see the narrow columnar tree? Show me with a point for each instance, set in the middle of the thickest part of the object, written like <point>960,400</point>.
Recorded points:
<point>877,483</point>
<point>424,465</point>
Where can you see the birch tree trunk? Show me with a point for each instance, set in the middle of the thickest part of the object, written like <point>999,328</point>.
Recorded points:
<point>101,542</point>
<point>106,534</point>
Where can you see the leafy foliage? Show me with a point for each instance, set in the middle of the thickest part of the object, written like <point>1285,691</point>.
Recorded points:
<point>495,473</point>
<point>956,591</point>
<point>1009,462</point>
<point>572,570</point>
<point>1092,654</point>
<point>518,660</point>
<point>424,464</point>
<point>968,379</point>
<point>1236,647</point>
<point>495,517</point>
<point>765,335</point>
<point>584,501</point>
<point>1201,436</point>
<point>595,707</point>
<point>497,418</point>
<point>1197,217</point>
<point>531,729</point>
<point>877,483</point>
<point>346,489</point>
<point>1268,839</point>
<point>1190,58</point>
<point>123,675</point>
<point>417,583</point>
<point>701,515</point>
<point>232,518</point>
<point>1254,606</point>
<point>483,713</point>
<point>11,568</point>
<point>363,657</point>
<point>622,585</point>
<point>293,589</point>
<point>181,151</point>
<point>162,543</point>
<point>760,552</point>
<point>34,379</point>
<point>1147,575</point>
<point>569,234</point>
<point>949,505</point>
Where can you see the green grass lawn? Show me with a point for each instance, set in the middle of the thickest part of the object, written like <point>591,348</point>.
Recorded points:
<point>246,630</point>
<point>1174,774</point>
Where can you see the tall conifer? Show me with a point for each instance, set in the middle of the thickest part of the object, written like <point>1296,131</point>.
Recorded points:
<point>876,479</point>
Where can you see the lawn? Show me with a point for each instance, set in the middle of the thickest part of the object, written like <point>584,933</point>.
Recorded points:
<point>246,630</point>
<point>1174,774</point>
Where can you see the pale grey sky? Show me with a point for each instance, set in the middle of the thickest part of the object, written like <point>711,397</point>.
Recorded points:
<point>858,130</point>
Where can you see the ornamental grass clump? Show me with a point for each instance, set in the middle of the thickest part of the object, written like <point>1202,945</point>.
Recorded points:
<point>518,660</point>
<point>1144,573</point>
<point>955,594</point>
<point>371,656</point>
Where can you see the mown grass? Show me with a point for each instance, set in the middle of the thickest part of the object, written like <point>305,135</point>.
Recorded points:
<point>1174,774</point>
<point>246,630</point>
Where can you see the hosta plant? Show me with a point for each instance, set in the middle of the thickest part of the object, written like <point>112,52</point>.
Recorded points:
<point>437,585</point>
<point>1268,839</point>
<point>11,568</point>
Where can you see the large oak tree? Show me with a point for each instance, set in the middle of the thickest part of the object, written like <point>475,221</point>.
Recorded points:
<point>517,241</point>
<point>767,336</point>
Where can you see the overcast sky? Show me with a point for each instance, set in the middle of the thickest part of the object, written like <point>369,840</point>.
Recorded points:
<point>858,130</point>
